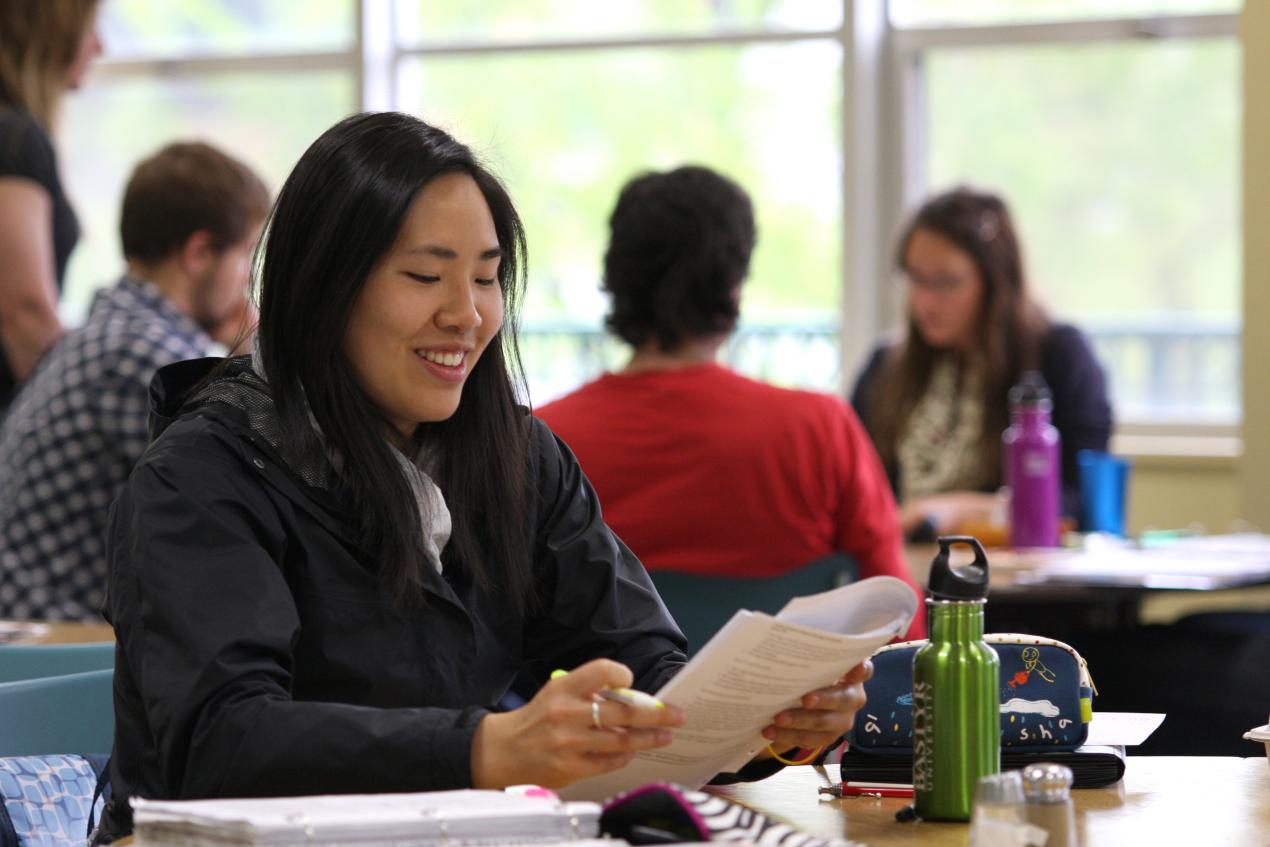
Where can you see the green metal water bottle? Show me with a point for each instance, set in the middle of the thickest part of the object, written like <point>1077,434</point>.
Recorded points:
<point>956,713</point>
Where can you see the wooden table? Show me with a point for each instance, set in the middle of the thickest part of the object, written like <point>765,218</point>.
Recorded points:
<point>1040,572</point>
<point>1190,801</point>
<point>57,632</point>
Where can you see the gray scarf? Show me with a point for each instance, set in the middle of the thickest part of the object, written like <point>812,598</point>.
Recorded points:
<point>434,514</point>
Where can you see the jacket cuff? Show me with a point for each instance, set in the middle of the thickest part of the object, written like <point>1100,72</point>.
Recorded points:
<point>452,748</point>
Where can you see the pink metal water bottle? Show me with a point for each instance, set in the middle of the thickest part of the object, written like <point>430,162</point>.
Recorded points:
<point>1033,467</point>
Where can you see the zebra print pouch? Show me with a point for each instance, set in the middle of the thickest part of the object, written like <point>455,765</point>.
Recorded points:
<point>662,813</point>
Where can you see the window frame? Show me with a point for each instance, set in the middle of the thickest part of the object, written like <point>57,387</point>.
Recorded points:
<point>883,136</point>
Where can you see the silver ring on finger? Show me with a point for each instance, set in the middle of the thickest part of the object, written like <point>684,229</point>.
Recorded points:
<point>595,715</point>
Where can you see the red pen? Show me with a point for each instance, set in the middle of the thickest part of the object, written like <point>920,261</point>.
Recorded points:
<point>877,789</point>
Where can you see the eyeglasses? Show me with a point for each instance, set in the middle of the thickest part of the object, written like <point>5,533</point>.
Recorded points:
<point>940,284</point>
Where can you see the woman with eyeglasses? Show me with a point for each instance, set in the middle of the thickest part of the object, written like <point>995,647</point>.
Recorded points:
<point>935,402</point>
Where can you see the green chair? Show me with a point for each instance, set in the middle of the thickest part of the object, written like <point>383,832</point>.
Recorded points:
<point>31,661</point>
<point>73,713</point>
<point>701,605</point>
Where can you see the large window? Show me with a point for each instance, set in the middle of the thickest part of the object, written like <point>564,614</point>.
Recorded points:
<point>1111,126</point>
<point>569,99</point>
<point>1116,141</point>
<point>247,75</point>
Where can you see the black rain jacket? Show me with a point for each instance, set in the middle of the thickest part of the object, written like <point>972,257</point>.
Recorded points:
<point>259,655</point>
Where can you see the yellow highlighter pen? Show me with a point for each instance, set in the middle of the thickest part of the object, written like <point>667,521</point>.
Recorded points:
<point>629,696</point>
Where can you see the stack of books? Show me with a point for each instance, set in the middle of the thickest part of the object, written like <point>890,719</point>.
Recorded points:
<point>453,818</point>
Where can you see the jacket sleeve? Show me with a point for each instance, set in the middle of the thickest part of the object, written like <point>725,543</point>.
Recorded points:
<point>863,400</point>
<point>206,623</point>
<point>596,598</point>
<point>1082,412</point>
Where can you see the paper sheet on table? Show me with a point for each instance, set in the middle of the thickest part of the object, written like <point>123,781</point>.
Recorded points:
<point>754,667</point>
<point>1122,729</point>
<point>21,631</point>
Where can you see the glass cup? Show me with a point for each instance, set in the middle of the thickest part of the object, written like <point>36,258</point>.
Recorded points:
<point>998,809</point>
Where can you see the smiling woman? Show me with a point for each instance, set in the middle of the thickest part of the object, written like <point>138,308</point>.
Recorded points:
<point>339,553</point>
<point>430,308</point>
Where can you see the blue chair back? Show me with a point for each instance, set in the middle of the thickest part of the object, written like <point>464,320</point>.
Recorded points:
<point>31,661</point>
<point>701,605</point>
<point>74,713</point>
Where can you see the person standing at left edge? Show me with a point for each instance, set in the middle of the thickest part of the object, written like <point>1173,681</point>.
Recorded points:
<point>46,47</point>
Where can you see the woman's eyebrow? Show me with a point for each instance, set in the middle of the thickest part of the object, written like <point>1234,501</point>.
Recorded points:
<point>448,253</point>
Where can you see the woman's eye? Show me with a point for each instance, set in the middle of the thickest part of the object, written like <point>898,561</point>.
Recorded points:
<point>423,277</point>
<point>485,280</point>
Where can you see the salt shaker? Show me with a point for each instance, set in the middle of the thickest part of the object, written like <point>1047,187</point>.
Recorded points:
<point>1047,788</point>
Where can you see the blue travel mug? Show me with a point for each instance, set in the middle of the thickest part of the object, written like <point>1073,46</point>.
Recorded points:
<point>1103,481</point>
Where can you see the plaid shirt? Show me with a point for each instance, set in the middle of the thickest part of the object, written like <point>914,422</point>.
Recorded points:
<point>69,442</point>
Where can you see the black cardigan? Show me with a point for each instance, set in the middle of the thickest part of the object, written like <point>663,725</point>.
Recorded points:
<point>1082,413</point>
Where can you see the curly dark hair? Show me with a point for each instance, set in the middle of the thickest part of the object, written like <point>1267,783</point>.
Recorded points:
<point>679,245</point>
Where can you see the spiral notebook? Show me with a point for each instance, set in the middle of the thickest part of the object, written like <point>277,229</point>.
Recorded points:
<point>455,818</point>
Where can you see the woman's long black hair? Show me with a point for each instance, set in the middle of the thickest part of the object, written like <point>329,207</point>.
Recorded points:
<point>338,213</point>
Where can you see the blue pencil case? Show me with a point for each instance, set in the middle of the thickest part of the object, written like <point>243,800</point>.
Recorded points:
<point>1045,687</point>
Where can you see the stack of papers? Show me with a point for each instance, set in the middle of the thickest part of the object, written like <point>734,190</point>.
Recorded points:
<point>754,667</point>
<point>429,819</point>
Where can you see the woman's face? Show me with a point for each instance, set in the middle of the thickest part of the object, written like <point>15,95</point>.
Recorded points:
<point>945,291</point>
<point>90,47</point>
<point>429,307</point>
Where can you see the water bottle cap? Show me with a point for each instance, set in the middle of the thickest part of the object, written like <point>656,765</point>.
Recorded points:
<point>1031,392</point>
<point>963,582</point>
<point>1046,782</point>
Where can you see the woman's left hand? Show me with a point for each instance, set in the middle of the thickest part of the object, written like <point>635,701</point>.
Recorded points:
<point>825,715</point>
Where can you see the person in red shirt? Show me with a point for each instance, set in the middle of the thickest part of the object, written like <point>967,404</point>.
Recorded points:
<point>697,468</point>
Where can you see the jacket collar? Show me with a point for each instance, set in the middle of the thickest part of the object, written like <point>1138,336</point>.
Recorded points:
<point>201,385</point>
<point>229,390</point>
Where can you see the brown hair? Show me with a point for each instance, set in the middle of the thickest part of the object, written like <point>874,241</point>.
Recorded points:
<point>39,40</point>
<point>1012,323</point>
<point>184,188</point>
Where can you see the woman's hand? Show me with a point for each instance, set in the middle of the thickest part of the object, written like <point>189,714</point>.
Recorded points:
<point>552,740</point>
<point>953,511</point>
<point>825,715</point>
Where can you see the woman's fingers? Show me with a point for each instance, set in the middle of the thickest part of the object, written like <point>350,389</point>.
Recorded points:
<point>614,714</point>
<point>825,715</point>
<point>591,677</point>
<point>789,739</point>
<point>627,740</point>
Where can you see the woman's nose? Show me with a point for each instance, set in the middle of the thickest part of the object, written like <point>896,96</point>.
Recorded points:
<point>459,310</point>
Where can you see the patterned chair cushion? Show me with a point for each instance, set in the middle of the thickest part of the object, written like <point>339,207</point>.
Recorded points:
<point>46,800</point>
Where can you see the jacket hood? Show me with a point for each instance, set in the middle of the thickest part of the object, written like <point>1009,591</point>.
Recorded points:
<point>231,390</point>
<point>171,386</point>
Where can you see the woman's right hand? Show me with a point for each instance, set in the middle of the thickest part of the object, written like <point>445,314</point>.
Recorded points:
<point>552,740</point>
